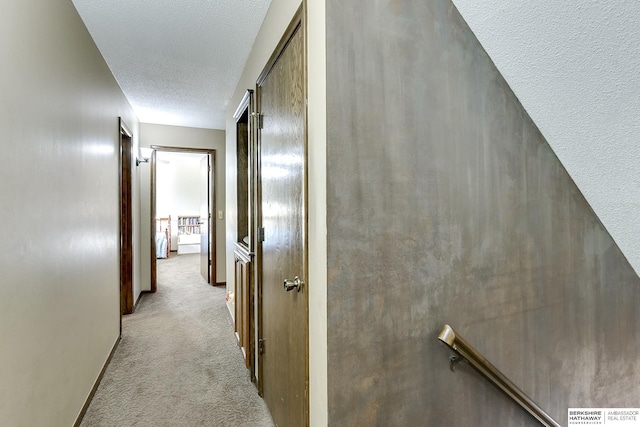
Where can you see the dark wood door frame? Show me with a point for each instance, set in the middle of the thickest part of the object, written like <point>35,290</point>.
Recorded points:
<point>206,220</point>
<point>126,220</point>
<point>213,192</point>
<point>244,253</point>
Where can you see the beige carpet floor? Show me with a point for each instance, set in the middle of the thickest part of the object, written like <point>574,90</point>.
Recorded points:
<point>178,363</point>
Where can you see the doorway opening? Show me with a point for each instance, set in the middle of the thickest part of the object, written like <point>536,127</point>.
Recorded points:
<point>183,190</point>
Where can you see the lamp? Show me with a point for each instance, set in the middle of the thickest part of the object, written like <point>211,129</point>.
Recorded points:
<point>145,154</point>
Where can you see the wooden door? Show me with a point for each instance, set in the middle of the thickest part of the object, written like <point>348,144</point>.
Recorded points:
<point>284,326</point>
<point>205,220</point>
<point>126,222</point>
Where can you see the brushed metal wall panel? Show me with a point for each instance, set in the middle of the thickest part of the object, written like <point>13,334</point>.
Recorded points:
<point>447,205</point>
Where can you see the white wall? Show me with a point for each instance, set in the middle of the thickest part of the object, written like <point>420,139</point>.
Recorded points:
<point>182,137</point>
<point>317,170</point>
<point>575,68</point>
<point>59,199</point>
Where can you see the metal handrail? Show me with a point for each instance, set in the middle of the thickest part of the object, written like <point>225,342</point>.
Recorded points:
<point>465,351</point>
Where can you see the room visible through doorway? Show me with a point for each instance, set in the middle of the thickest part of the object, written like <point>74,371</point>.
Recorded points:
<point>183,196</point>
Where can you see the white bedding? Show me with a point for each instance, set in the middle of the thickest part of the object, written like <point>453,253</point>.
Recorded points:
<point>161,245</point>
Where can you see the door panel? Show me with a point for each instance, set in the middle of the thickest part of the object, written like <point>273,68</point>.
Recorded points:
<point>282,165</point>
<point>242,301</point>
<point>205,220</point>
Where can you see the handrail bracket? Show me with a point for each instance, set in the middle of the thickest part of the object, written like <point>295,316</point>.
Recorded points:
<point>453,361</point>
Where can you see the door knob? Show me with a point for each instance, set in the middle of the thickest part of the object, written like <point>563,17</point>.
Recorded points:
<point>290,285</point>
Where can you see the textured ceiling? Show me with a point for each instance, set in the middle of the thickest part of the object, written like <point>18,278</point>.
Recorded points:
<point>177,61</point>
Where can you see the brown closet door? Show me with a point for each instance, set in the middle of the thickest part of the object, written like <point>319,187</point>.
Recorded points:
<point>284,313</point>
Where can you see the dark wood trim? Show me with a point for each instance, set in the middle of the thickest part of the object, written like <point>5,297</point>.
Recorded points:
<point>305,78</point>
<point>125,129</point>
<point>214,210</point>
<point>126,218</point>
<point>247,106</point>
<point>252,230</point>
<point>256,248</point>
<point>244,105</point>
<point>92,393</point>
<point>153,286</point>
<point>244,165</point>
<point>183,149</point>
<point>221,284</point>
<point>245,144</point>
<point>213,227</point>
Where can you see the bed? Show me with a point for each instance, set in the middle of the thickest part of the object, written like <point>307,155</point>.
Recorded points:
<point>163,237</point>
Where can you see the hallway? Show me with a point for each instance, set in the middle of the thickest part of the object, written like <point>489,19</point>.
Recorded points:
<point>178,363</point>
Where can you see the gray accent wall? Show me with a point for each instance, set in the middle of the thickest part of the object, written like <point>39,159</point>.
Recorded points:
<point>445,205</point>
